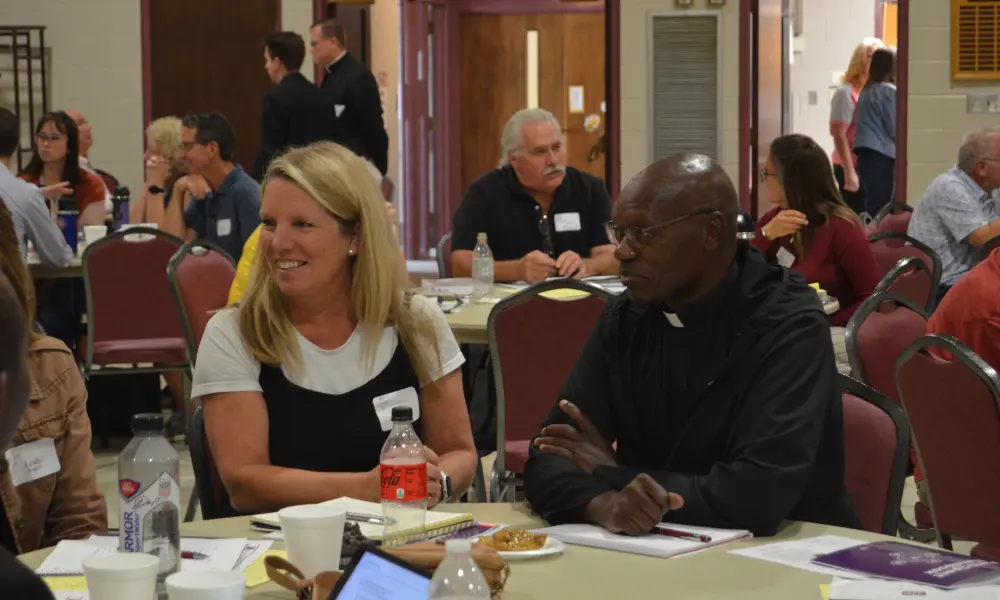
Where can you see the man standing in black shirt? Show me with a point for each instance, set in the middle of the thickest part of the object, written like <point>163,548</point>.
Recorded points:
<point>714,374</point>
<point>353,95</point>
<point>295,111</point>
<point>16,580</point>
<point>541,218</point>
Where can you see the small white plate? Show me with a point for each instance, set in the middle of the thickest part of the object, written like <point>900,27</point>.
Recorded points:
<point>552,547</point>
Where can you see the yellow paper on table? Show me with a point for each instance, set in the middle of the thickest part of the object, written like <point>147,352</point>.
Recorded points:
<point>564,294</point>
<point>824,590</point>
<point>256,573</point>
<point>66,584</point>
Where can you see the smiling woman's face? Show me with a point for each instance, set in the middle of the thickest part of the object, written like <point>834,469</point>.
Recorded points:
<point>307,248</point>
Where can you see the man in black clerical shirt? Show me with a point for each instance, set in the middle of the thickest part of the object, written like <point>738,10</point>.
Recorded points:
<point>541,218</point>
<point>353,95</point>
<point>296,112</point>
<point>714,374</point>
<point>16,580</point>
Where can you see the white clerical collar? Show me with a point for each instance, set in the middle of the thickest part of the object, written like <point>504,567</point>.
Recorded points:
<point>336,60</point>
<point>674,320</point>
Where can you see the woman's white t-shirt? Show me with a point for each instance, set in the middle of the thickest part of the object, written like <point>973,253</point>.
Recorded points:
<point>224,364</point>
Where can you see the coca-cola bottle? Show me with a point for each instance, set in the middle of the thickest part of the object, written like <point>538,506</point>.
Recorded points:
<point>404,481</point>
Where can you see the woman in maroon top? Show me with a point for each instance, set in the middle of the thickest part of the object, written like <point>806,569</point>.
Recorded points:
<point>812,230</point>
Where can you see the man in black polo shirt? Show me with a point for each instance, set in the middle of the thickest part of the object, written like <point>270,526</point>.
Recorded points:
<point>542,219</point>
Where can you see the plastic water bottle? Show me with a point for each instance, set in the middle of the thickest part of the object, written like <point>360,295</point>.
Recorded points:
<point>150,494</point>
<point>458,576</point>
<point>482,268</point>
<point>404,481</point>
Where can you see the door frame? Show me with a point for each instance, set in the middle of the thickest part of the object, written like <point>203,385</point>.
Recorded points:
<point>448,190</point>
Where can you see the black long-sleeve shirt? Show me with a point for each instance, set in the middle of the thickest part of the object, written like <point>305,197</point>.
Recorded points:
<point>295,113</point>
<point>353,94</point>
<point>732,403</point>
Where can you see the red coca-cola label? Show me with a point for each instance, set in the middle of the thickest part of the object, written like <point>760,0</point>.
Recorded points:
<point>403,483</point>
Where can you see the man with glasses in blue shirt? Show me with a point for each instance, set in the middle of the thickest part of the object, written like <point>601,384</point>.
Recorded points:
<point>708,390</point>
<point>542,218</point>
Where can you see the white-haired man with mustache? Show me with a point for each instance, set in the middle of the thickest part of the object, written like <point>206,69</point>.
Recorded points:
<point>542,218</point>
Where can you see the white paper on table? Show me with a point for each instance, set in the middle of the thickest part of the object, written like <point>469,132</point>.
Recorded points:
<point>68,556</point>
<point>223,554</point>
<point>884,589</point>
<point>64,595</point>
<point>253,550</point>
<point>800,553</point>
<point>275,535</point>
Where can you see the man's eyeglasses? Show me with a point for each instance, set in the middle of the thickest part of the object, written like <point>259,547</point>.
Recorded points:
<point>637,237</point>
<point>188,145</point>
<point>44,138</point>
<point>764,174</point>
<point>543,228</point>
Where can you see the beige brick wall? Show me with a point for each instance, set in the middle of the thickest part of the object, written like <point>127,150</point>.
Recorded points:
<point>636,95</point>
<point>385,67</point>
<point>937,106</point>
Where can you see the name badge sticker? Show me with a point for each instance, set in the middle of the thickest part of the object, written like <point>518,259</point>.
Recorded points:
<point>567,221</point>
<point>785,258</point>
<point>223,227</point>
<point>30,462</point>
<point>384,405</point>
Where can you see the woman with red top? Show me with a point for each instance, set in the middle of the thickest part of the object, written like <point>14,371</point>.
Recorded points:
<point>813,231</point>
<point>842,124</point>
<point>56,161</point>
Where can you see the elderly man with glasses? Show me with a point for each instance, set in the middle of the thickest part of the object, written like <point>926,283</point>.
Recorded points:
<point>708,390</point>
<point>542,218</point>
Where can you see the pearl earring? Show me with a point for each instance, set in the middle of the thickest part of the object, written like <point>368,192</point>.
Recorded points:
<point>350,252</point>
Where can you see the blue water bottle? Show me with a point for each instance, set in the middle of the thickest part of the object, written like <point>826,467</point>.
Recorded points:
<point>67,219</point>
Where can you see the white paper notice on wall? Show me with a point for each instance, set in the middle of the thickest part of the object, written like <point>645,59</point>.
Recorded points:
<point>576,98</point>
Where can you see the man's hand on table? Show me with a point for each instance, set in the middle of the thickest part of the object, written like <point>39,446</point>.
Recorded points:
<point>536,266</point>
<point>570,264</point>
<point>634,510</point>
<point>583,444</point>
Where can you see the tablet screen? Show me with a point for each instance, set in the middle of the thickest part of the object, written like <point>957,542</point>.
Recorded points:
<point>375,578</point>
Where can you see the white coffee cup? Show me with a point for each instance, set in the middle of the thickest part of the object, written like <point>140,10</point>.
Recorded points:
<point>313,534</point>
<point>125,575</point>
<point>92,233</point>
<point>206,585</point>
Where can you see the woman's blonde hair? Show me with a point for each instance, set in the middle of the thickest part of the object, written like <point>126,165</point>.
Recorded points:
<point>164,134</point>
<point>857,70</point>
<point>339,182</point>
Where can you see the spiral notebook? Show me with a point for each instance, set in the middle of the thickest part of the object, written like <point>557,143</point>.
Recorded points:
<point>436,524</point>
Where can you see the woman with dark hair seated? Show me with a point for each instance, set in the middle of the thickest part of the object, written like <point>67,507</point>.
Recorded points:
<point>55,166</point>
<point>812,230</point>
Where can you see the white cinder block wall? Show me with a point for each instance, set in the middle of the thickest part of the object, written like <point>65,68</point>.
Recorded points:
<point>830,32</point>
<point>636,95</point>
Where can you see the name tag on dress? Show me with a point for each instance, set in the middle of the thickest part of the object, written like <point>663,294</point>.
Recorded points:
<point>223,227</point>
<point>567,221</point>
<point>785,258</point>
<point>384,405</point>
<point>32,461</point>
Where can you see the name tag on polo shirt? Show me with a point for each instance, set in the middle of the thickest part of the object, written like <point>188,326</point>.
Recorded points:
<point>384,405</point>
<point>338,109</point>
<point>223,227</point>
<point>785,258</point>
<point>567,221</point>
<point>32,461</point>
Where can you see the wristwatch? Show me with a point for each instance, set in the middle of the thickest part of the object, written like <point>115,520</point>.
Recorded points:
<point>445,487</point>
<point>155,189</point>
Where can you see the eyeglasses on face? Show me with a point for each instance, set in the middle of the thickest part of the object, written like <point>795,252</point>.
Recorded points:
<point>637,237</point>
<point>44,138</point>
<point>764,174</point>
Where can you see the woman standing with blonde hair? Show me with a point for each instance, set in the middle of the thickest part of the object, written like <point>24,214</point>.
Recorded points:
<point>298,381</point>
<point>168,189</point>
<point>842,123</point>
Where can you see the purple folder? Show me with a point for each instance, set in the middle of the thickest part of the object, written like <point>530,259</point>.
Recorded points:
<point>918,564</point>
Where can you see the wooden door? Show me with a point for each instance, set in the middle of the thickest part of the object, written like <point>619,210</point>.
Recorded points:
<point>769,99</point>
<point>356,20</point>
<point>208,57</point>
<point>494,82</point>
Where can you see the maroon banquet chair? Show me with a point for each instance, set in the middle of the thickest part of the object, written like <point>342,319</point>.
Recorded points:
<point>912,279</point>
<point>534,342</point>
<point>200,274</point>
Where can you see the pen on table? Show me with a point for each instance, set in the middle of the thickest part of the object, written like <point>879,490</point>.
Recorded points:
<point>685,535</point>
<point>193,555</point>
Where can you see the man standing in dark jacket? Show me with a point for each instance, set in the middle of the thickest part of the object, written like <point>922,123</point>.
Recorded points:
<point>295,112</point>
<point>714,374</point>
<point>353,94</point>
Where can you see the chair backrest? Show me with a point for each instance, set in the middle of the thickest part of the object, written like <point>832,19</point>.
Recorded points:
<point>912,279</point>
<point>876,455</point>
<point>953,407</point>
<point>894,223</point>
<point>200,275</point>
<point>128,297</point>
<point>893,208</point>
<point>444,256</point>
<point>889,248</point>
<point>534,343</point>
<point>878,332</point>
<point>212,494</point>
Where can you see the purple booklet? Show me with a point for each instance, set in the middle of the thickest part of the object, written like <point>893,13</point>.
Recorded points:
<point>918,564</point>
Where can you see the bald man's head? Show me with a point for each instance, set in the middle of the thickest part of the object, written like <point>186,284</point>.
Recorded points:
<point>685,207</point>
<point>13,361</point>
<point>86,131</point>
